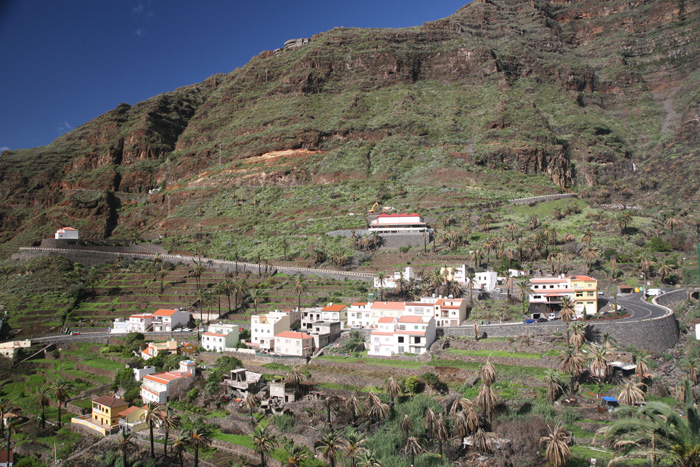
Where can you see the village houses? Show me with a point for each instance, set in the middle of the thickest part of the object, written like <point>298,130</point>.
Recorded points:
<point>263,329</point>
<point>296,344</point>
<point>406,334</point>
<point>220,337</point>
<point>104,418</point>
<point>546,295</point>
<point>184,349</point>
<point>161,387</point>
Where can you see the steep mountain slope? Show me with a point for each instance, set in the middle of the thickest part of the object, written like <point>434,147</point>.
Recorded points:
<point>501,99</point>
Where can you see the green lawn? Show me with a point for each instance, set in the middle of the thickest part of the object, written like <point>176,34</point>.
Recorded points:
<point>495,353</point>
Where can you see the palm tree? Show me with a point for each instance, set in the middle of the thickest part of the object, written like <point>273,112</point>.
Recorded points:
<point>125,443</point>
<point>487,400</point>
<point>296,455</point>
<point>406,426</point>
<point>413,448</point>
<point>488,374</point>
<point>470,276</point>
<point>199,437</point>
<point>608,341</point>
<point>658,430</point>
<point>672,223</point>
<point>476,331</point>
<point>355,406</point>
<point>376,409</point>
<point>439,432</point>
<point>152,416</point>
<point>295,377</point>
<point>353,444</point>
<point>4,405</point>
<point>393,389</point>
<point>645,263</point>
<point>299,288</point>
<point>197,272</point>
<point>572,363</point>
<point>631,394</point>
<point>11,427</point>
<point>567,314</point>
<point>557,444</point>
<point>665,269</point>
<point>329,446</point>
<point>162,273</point>
<point>641,366</point>
<point>578,334</point>
<point>483,442</point>
<point>43,394</point>
<point>179,446</point>
<point>228,289</point>
<point>251,402</point>
<point>168,421</point>
<point>380,278</point>
<point>587,236</point>
<point>524,287</point>
<point>284,244</point>
<point>590,254</point>
<point>554,384</point>
<point>600,366</point>
<point>219,290</point>
<point>60,393</point>
<point>512,228</point>
<point>91,279</point>
<point>623,220</point>
<point>368,458</point>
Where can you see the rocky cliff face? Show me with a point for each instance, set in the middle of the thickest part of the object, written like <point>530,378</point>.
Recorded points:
<point>576,90</point>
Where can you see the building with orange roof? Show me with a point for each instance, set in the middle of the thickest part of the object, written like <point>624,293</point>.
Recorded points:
<point>546,294</point>
<point>168,385</point>
<point>104,418</point>
<point>169,320</point>
<point>264,328</point>
<point>221,337</point>
<point>133,419</point>
<point>359,315</point>
<point>335,312</point>
<point>292,343</point>
<point>405,334</point>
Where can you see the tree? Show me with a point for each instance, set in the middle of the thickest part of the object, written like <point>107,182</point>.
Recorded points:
<point>284,244</point>
<point>380,279</point>
<point>524,287</point>
<point>152,416</point>
<point>476,331</point>
<point>219,290</point>
<point>623,219</point>
<point>578,334</point>
<point>251,402</point>
<point>125,443</point>
<point>11,427</point>
<point>353,444</point>
<point>572,363</point>
<point>554,385</point>
<point>42,395</point>
<point>376,409</point>
<point>168,421</point>
<point>590,254</point>
<point>91,279</point>
<point>295,377</point>
<point>406,426</point>
<point>600,366</point>
<point>60,393</point>
<point>179,446</point>
<point>296,455</point>
<point>487,399</point>
<point>228,289</point>
<point>330,446</point>
<point>557,442</point>
<point>299,288</point>
<point>162,273</point>
<point>197,272</point>
<point>645,263</point>
<point>641,367</point>
<point>354,405</point>
<point>672,223</point>
<point>665,269</point>
<point>199,437</point>
<point>483,442</point>
<point>4,405</point>
<point>413,448</point>
<point>512,228</point>
<point>393,389</point>
<point>368,459</point>
<point>567,314</point>
<point>631,394</point>
<point>658,430</point>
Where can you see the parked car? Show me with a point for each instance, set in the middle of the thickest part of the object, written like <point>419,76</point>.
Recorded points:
<point>75,333</point>
<point>541,320</point>
<point>529,321</point>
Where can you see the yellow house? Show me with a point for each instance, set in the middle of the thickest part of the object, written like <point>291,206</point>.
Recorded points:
<point>186,349</point>
<point>585,290</point>
<point>133,419</point>
<point>105,415</point>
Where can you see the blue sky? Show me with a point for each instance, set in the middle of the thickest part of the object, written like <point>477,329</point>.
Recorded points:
<point>63,63</point>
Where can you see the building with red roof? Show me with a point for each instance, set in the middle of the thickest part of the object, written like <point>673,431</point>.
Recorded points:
<point>162,387</point>
<point>292,343</point>
<point>405,334</point>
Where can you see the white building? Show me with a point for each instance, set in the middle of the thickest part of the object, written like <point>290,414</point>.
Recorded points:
<point>120,326</point>
<point>546,293</point>
<point>446,311</point>
<point>407,334</point>
<point>8,349</point>
<point>220,337</point>
<point>392,282</point>
<point>139,373</point>
<point>359,315</point>
<point>398,223</point>
<point>297,344</point>
<point>169,320</point>
<point>484,281</point>
<point>140,323</point>
<point>335,313</point>
<point>163,387</point>
<point>66,233</point>
<point>263,328</point>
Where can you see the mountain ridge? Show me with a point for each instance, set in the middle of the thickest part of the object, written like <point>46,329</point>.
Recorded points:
<point>598,97</point>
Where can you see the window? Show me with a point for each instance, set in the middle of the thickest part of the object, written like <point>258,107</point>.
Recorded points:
<point>401,349</point>
<point>400,339</point>
<point>417,340</point>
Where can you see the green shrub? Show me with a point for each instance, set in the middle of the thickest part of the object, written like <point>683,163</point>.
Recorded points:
<point>413,384</point>
<point>192,395</point>
<point>285,423</point>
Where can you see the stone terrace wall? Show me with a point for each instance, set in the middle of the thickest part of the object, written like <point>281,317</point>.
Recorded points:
<point>654,335</point>
<point>538,199</point>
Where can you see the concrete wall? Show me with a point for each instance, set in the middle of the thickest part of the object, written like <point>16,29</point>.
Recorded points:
<point>539,199</point>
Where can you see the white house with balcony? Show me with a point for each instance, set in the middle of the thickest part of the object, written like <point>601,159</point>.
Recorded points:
<point>220,337</point>
<point>263,329</point>
<point>398,224</point>
<point>406,334</point>
<point>359,315</point>
<point>295,344</point>
<point>163,387</point>
<point>140,323</point>
<point>546,294</point>
<point>169,320</point>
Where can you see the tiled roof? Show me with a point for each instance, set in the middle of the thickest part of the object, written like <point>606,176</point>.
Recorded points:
<point>411,319</point>
<point>389,305</point>
<point>293,335</point>
<point>386,320</point>
<point>333,308</point>
<point>110,401</point>
<point>581,278</point>
<point>165,312</point>
<point>215,334</point>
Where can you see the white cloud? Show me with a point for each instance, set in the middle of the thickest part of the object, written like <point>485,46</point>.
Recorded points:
<point>65,127</point>
<point>142,13</point>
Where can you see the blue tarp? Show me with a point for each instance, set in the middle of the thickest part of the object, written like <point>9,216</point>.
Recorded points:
<point>610,399</point>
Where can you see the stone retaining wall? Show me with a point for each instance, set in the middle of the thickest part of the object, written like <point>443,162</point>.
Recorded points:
<point>654,335</point>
